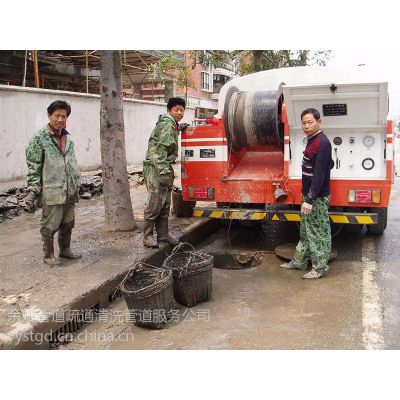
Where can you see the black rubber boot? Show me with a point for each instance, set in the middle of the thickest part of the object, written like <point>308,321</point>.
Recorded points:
<point>64,244</point>
<point>48,251</point>
<point>148,239</point>
<point>163,237</point>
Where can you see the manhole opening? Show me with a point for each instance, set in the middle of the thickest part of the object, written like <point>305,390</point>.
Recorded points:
<point>236,259</point>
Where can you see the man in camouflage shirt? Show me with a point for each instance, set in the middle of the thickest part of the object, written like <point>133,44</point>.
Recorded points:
<point>158,172</point>
<point>54,177</point>
<point>315,229</point>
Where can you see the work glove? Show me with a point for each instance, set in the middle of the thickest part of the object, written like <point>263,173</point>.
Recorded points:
<point>165,180</point>
<point>306,208</point>
<point>30,202</point>
<point>171,159</point>
<point>183,126</point>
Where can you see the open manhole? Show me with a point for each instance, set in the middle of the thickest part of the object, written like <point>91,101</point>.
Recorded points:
<point>236,259</point>
<point>286,251</point>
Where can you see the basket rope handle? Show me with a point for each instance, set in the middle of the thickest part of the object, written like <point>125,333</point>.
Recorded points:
<point>133,269</point>
<point>179,247</point>
<point>128,275</point>
<point>187,264</point>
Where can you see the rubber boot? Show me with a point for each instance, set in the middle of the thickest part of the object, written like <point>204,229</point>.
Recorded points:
<point>148,239</point>
<point>163,237</point>
<point>48,251</point>
<point>64,244</point>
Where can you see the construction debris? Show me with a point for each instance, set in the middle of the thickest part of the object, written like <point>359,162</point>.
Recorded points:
<point>11,200</point>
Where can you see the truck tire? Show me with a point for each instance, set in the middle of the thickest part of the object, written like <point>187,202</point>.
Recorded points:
<point>181,208</point>
<point>378,228</point>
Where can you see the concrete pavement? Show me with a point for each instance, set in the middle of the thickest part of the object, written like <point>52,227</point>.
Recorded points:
<point>31,294</point>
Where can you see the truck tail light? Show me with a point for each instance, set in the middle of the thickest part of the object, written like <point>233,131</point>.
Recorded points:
<point>201,192</point>
<point>364,196</point>
<point>352,196</point>
<point>376,196</point>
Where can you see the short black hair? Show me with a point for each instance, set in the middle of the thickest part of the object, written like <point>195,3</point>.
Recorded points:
<point>312,111</point>
<point>59,104</point>
<point>176,101</point>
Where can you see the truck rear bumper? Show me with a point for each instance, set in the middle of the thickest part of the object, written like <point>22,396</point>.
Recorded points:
<point>281,215</point>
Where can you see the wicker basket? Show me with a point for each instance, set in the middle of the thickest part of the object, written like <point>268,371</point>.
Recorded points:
<point>192,272</point>
<point>148,293</point>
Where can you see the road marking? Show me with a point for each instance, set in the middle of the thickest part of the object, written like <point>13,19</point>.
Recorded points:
<point>371,302</point>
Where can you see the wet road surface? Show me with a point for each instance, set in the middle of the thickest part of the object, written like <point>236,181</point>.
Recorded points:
<point>355,307</point>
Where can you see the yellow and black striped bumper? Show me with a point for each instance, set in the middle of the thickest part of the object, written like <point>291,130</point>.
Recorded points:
<point>282,215</point>
<point>225,213</point>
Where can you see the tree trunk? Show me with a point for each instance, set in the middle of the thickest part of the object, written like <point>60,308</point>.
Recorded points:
<point>257,60</point>
<point>117,200</point>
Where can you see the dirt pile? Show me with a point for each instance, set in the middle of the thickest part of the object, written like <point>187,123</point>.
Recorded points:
<point>11,199</point>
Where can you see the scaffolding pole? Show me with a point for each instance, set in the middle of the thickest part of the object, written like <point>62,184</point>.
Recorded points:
<point>25,67</point>
<point>36,68</point>
<point>87,72</point>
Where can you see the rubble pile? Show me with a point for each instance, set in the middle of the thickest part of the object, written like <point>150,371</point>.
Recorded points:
<point>135,175</point>
<point>91,185</point>
<point>11,200</point>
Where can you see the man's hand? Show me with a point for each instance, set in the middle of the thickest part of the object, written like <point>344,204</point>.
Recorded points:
<point>165,180</point>
<point>29,203</point>
<point>306,208</point>
<point>183,126</point>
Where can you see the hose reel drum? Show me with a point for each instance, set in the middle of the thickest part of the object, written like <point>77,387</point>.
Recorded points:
<point>253,118</point>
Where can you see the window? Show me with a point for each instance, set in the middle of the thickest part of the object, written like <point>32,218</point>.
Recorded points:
<point>219,81</point>
<point>205,81</point>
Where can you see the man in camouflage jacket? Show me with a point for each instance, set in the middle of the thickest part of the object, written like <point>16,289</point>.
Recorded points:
<point>54,177</point>
<point>158,172</point>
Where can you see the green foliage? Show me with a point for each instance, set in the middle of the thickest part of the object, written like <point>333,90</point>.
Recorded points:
<point>243,61</point>
<point>214,58</point>
<point>270,59</point>
<point>169,67</point>
<point>249,61</point>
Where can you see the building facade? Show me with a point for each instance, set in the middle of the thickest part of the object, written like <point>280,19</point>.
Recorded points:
<point>201,92</point>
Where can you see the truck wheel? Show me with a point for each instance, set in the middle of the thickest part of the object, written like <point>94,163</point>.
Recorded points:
<point>181,208</point>
<point>379,228</point>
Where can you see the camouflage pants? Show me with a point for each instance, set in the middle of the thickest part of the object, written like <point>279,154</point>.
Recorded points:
<point>60,216</point>
<point>315,238</point>
<point>159,200</point>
